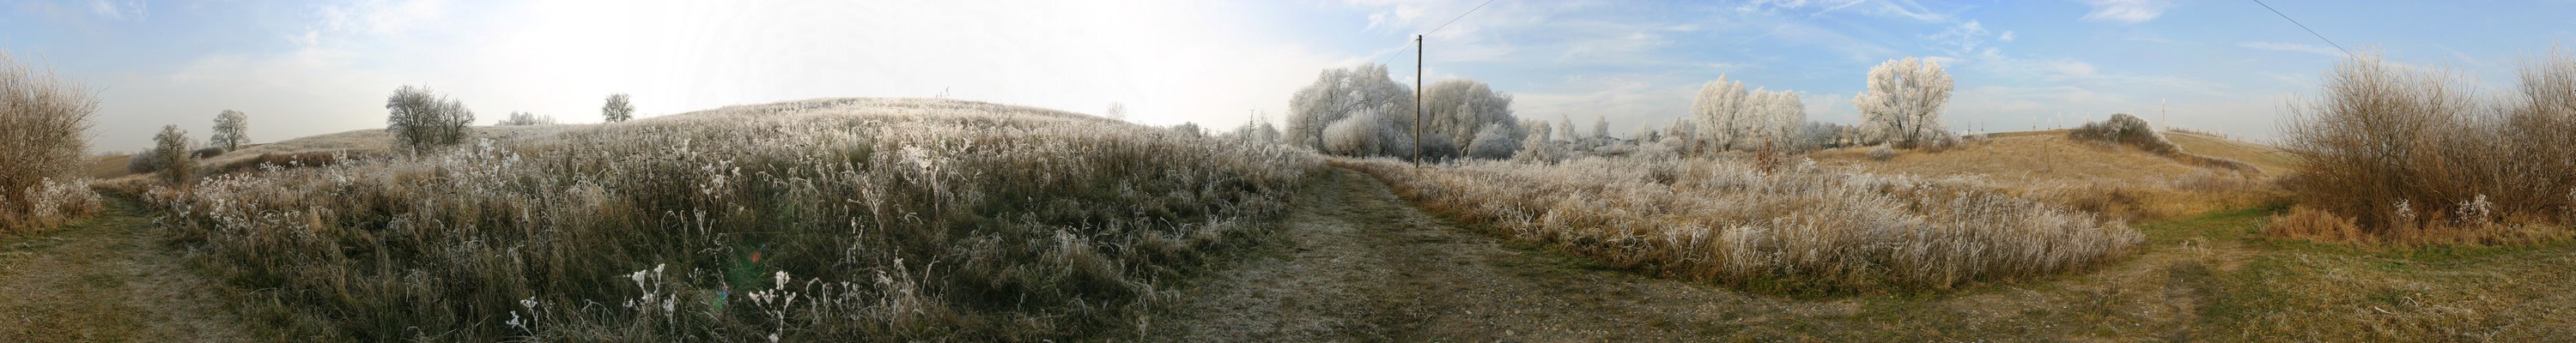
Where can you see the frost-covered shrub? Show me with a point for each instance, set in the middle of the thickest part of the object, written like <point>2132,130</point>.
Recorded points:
<point>1496,141</point>
<point>1355,135</point>
<point>1881,152</point>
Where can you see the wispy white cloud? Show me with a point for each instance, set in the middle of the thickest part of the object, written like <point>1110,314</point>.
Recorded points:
<point>2127,11</point>
<point>115,9</point>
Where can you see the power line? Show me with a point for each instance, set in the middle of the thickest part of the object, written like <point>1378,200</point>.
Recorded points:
<point>1444,25</point>
<point>2346,52</point>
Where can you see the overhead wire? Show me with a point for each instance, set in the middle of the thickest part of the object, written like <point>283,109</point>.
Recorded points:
<point>2346,52</point>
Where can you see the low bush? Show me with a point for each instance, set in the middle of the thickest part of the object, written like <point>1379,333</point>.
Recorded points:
<point>42,141</point>
<point>2125,129</point>
<point>1799,229</point>
<point>819,220</point>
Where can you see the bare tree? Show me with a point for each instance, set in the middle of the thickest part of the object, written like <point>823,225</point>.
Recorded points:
<point>170,148</point>
<point>422,120</point>
<point>232,130</point>
<point>1904,100</point>
<point>42,120</point>
<point>617,109</point>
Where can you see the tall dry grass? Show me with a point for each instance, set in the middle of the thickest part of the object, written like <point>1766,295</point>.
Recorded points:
<point>2418,155</point>
<point>1800,229</point>
<point>43,117</point>
<point>822,220</point>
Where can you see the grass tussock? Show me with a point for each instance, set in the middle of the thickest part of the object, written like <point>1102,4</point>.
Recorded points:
<point>1801,229</point>
<point>822,220</point>
<point>42,141</point>
<point>2417,156</point>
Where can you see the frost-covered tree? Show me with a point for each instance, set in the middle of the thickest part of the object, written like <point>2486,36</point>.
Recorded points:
<point>1726,116</point>
<point>1459,110</point>
<point>1340,93</point>
<point>617,109</point>
<point>1644,133</point>
<point>525,118</point>
<point>1717,108</point>
<point>1600,128</point>
<point>1190,128</point>
<point>1566,130</point>
<point>1903,102</point>
<point>1117,111</point>
<point>422,120</point>
<point>232,130</point>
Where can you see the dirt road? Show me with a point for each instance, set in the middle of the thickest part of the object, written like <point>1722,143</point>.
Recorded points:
<point>106,279</point>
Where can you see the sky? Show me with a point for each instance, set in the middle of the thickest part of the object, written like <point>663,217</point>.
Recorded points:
<point>301,68</point>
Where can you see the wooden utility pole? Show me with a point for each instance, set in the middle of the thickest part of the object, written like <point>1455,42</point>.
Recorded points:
<point>1417,101</point>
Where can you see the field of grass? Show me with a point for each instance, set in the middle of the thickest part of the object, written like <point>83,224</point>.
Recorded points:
<point>833,219</point>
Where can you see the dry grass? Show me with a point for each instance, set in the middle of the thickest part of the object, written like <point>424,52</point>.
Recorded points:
<point>2267,158</point>
<point>821,220</point>
<point>1801,229</point>
<point>2114,181</point>
<point>2043,157</point>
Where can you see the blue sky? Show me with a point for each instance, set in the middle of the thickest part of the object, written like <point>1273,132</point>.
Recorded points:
<point>305,68</point>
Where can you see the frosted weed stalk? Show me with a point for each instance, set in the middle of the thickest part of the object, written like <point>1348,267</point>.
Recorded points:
<point>898,220</point>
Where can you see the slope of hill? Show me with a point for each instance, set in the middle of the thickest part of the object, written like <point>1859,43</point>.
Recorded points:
<point>2271,159</point>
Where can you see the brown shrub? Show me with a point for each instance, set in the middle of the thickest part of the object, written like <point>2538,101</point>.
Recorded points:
<point>2400,150</point>
<point>2310,224</point>
<point>2126,129</point>
<point>42,122</point>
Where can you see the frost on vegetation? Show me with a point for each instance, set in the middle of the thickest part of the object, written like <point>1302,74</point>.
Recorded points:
<point>1804,228</point>
<point>824,220</point>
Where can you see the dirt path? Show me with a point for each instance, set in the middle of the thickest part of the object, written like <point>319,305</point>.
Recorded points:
<point>105,279</point>
<point>1361,265</point>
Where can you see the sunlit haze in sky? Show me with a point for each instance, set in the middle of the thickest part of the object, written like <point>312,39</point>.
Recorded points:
<point>306,68</point>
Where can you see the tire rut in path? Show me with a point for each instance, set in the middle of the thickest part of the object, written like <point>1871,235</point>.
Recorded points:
<point>106,279</point>
<point>1359,264</point>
